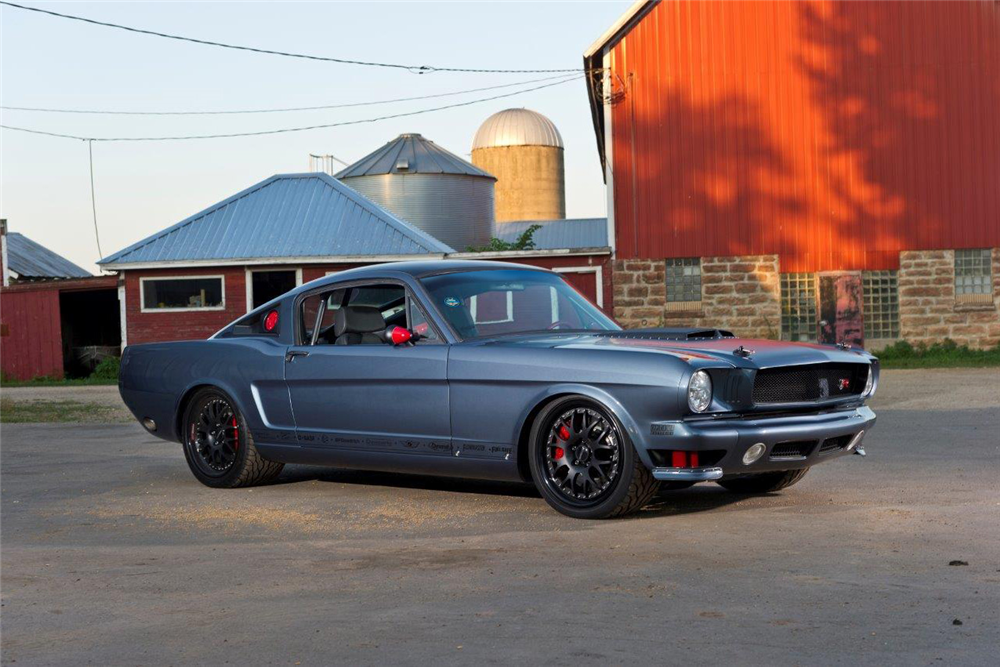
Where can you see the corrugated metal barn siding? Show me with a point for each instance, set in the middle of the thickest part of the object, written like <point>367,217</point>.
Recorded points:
<point>32,342</point>
<point>832,133</point>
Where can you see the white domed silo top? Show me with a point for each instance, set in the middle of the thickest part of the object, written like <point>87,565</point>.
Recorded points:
<point>517,127</point>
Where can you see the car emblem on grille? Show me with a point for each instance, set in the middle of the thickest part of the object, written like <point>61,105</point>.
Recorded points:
<point>824,388</point>
<point>844,384</point>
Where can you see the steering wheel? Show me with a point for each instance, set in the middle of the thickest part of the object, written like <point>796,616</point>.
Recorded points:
<point>559,324</point>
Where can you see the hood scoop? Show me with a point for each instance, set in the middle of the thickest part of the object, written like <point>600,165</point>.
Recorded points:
<point>674,333</point>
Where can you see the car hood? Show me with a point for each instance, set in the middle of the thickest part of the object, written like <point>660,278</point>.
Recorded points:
<point>764,353</point>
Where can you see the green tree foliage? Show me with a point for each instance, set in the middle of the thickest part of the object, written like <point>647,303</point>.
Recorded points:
<point>525,241</point>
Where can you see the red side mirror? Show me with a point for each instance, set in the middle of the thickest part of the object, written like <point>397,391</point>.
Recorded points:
<point>398,335</point>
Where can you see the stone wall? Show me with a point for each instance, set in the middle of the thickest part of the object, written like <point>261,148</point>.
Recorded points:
<point>741,294</point>
<point>928,309</point>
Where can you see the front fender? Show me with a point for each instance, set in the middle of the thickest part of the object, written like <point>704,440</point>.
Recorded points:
<point>602,396</point>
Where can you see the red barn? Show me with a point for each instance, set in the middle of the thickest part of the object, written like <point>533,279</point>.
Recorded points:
<point>810,170</point>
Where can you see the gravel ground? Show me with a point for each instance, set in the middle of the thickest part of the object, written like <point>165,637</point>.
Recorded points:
<point>113,554</point>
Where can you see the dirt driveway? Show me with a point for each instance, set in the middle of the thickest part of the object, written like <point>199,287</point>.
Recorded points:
<point>113,554</point>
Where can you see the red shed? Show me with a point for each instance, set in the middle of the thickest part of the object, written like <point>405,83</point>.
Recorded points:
<point>812,170</point>
<point>55,318</point>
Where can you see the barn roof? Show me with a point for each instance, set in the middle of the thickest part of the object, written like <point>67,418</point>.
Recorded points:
<point>31,260</point>
<point>290,216</point>
<point>411,154</point>
<point>554,234</point>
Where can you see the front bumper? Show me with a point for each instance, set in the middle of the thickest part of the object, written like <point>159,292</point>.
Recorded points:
<point>721,443</point>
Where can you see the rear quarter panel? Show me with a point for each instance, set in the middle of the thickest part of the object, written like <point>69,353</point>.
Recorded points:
<point>155,378</point>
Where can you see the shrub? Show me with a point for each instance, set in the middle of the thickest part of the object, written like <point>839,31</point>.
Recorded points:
<point>107,369</point>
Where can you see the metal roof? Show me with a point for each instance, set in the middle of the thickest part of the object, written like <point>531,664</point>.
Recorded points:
<point>517,127</point>
<point>411,154</point>
<point>287,215</point>
<point>32,260</point>
<point>558,234</point>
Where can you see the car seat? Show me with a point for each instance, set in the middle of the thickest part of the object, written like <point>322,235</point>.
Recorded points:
<point>358,325</point>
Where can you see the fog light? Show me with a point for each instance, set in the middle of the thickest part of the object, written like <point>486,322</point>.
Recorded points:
<point>855,441</point>
<point>149,424</point>
<point>755,452</point>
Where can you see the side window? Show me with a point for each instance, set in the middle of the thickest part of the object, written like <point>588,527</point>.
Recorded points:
<point>420,325</point>
<point>310,308</point>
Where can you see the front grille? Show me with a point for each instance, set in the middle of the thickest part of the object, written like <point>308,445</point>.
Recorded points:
<point>835,444</point>
<point>798,449</point>
<point>809,383</point>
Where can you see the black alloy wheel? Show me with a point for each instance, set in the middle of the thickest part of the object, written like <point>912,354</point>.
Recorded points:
<point>213,436</point>
<point>582,455</point>
<point>218,445</point>
<point>583,462</point>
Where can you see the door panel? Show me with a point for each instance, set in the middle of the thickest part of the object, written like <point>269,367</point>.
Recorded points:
<point>371,397</point>
<point>840,308</point>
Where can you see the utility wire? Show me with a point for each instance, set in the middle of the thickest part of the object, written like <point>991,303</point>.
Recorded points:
<point>93,199</point>
<point>291,129</point>
<point>416,69</point>
<point>344,105</point>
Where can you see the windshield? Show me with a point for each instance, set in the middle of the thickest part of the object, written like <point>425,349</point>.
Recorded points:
<point>491,303</point>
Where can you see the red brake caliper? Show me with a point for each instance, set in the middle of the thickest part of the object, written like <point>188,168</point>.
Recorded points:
<point>236,434</point>
<point>564,436</point>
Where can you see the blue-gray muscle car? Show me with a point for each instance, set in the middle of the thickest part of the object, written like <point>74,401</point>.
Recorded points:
<point>496,371</point>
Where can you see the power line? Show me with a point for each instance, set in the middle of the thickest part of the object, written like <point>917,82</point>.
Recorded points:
<point>93,199</point>
<point>344,105</point>
<point>291,129</point>
<point>416,69</point>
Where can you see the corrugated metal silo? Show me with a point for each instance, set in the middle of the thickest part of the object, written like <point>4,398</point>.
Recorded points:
<point>429,187</point>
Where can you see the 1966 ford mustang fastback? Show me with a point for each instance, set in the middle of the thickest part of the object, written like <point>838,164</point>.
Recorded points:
<point>496,371</point>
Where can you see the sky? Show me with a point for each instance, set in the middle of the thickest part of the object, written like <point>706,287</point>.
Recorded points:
<point>143,187</point>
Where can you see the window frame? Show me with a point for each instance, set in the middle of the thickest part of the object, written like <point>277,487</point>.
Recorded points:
<point>871,306</point>
<point>184,309</point>
<point>810,291</point>
<point>986,295</point>
<point>598,272</point>
<point>348,284</point>
<point>682,304</point>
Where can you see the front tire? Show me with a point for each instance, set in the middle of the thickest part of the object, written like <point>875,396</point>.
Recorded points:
<point>218,445</point>
<point>764,482</point>
<point>583,462</point>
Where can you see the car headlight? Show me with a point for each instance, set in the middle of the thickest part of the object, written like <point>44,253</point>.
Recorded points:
<point>700,391</point>
<point>870,383</point>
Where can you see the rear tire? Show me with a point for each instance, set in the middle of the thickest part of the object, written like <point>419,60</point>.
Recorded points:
<point>763,482</point>
<point>218,445</point>
<point>597,473</point>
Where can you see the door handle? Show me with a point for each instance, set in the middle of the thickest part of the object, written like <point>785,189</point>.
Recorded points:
<point>291,354</point>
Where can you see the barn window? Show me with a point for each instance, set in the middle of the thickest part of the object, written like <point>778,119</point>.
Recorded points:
<point>683,282</point>
<point>492,307</point>
<point>182,293</point>
<point>881,303</point>
<point>973,275</point>
<point>798,306</point>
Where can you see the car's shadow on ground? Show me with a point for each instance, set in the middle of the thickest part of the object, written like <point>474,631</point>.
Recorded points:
<point>700,498</point>
<point>299,474</point>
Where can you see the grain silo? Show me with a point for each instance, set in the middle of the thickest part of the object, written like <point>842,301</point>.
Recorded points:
<point>429,187</point>
<point>524,151</point>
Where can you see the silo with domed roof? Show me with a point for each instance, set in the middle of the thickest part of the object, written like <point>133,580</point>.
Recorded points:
<point>524,150</point>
